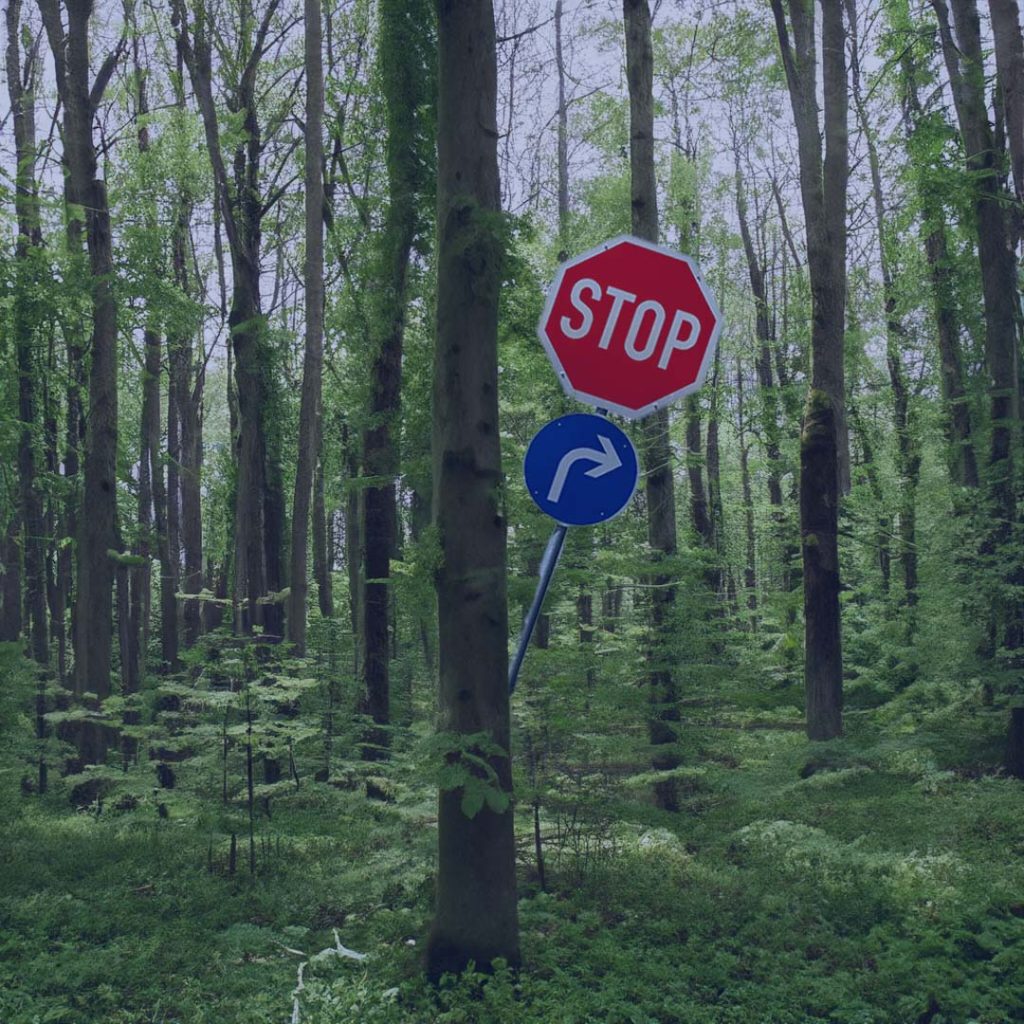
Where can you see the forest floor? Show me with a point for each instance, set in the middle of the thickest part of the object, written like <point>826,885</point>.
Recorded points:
<point>879,880</point>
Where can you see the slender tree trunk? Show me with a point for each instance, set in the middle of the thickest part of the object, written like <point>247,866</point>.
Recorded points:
<point>870,466</point>
<point>10,582</point>
<point>322,563</point>
<point>21,90</point>
<point>152,509</point>
<point>750,569</point>
<point>476,915</point>
<point>353,540</point>
<point>963,463</point>
<point>53,583</point>
<point>765,339</point>
<point>171,511</point>
<point>963,466</point>
<point>663,721</point>
<point>700,518</point>
<point>259,499</point>
<point>312,368</point>
<point>563,138</point>
<point>716,511</point>
<point>405,71</point>
<point>908,455</point>
<point>189,376</point>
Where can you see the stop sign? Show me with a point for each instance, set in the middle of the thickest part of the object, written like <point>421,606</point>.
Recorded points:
<point>629,326</point>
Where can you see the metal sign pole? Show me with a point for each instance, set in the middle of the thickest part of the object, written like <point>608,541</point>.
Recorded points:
<point>547,569</point>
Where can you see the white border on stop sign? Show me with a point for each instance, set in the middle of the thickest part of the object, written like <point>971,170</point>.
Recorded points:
<point>603,403</point>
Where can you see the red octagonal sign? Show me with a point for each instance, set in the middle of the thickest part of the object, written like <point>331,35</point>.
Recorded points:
<point>630,326</point>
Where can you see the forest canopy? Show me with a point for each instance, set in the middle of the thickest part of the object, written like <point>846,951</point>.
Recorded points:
<point>271,274</point>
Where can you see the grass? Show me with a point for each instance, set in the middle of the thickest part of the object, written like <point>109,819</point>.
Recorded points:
<point>885,887</point>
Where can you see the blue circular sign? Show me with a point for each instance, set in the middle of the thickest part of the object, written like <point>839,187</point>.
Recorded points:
<point>581,469</point>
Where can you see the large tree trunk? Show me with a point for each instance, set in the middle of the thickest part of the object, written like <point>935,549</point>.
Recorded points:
<point>824,450</point>
<point>663,720</point>
<point>21,90</point>
<point>312,368</point>
<point>97,533</point>
<point>476,914</point>
<point>965,64</point>
<point>1009,47</point>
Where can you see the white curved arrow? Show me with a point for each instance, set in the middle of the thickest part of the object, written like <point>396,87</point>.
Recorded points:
<point>607,461</point>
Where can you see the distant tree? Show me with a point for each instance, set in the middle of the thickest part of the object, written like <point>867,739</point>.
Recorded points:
<point>312,367</point>
<point>663,721</point>
<point>242,203</point>
<point>22,77</point>
<point>406,74</point>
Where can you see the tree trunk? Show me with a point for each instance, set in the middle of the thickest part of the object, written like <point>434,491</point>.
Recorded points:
<point>663,721</point>
<point>321,550</point>
<point>824,454</point>
<point>405,71</point>
<point>563,139</point>
<point>188,379</point>
<point>964,62</point>
<point>93,618</point>
<point>152,490</point>
<point>1009,46</point>
<point>353,540</point>
<point>750,569</point>
<point>908,455</point>
<point>716,511</point>
<point>312,368</point>
<point>21,90</point>
<point>870,465</point>
<point>10,582</point>
<point>476,914</point>
<point>765,339</point>
<point>259,499</point>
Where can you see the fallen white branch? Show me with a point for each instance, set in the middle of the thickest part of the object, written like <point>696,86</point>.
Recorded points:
<point>336,950</point>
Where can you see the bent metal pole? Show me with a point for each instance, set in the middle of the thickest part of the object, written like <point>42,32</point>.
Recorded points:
<point>547,569</point>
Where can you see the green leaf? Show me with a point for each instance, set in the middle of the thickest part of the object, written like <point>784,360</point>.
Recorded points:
<point>472,800</point>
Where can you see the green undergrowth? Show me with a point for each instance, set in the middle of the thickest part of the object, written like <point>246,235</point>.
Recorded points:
<point>875,880</point>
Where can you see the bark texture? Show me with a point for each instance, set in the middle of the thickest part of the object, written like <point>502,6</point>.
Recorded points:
<point>824,442</point>
<point>312,367</point>
<point>92,629</point>
<point>476,914</point>
<point>405,68</point>
<point>663,719</point>
<point>259,499</point>
<point>21,85</point>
